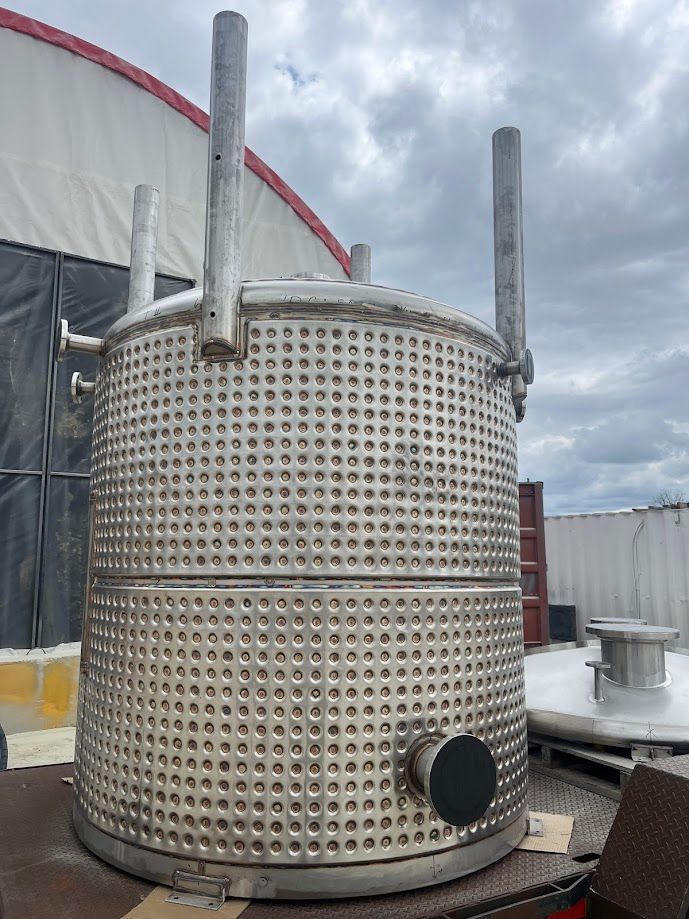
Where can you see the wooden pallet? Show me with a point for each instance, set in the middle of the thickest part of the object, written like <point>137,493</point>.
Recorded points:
<point>593,768</point>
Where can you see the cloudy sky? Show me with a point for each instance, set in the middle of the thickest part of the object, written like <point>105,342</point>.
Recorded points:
<point>380,115</point>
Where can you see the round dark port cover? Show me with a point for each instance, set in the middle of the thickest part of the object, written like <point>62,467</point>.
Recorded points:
<point>462,780</point>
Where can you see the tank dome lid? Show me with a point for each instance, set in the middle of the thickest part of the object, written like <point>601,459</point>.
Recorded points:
<point>278,298</point>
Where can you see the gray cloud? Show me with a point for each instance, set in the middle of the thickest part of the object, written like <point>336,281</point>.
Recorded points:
<point>380,115</point>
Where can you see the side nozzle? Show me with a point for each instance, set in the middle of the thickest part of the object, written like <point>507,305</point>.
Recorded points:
<point>70,341</point>
<point>456,776</point>
<point>81,388</point>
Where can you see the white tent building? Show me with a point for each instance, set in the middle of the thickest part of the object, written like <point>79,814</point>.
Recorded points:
<point>82,128</point>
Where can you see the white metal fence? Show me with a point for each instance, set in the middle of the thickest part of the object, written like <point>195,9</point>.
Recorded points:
<point>628,563</point>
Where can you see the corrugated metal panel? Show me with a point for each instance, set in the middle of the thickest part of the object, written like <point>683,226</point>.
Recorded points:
<point>630,563</point>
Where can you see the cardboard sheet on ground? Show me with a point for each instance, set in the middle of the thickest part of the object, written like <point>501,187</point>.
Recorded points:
<point>557,832</point>
<point>155,907</point>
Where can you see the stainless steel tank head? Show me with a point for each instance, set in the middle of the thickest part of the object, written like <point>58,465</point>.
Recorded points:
<point>302,662</point>
<point>632,653</point>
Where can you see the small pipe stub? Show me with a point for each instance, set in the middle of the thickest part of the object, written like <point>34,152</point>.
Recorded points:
<point>81,388</point>
<point>524,367</point>
<point>598,668</point>
<point>456,776</point>
<point>360,263</point>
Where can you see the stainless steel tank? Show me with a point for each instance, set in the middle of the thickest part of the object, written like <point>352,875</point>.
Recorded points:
<point>633,694</point>
<point>302,664</point>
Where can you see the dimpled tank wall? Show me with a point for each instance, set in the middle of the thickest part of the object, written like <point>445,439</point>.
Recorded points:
<point>303,561</point>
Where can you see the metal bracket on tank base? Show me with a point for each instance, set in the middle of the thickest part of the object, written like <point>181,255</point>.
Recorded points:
<point>644,753</point>
<point>534,827</point>
<point>188,890</point>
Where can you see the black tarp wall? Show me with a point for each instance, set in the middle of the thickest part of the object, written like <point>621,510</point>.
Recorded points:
<point>45,440</point>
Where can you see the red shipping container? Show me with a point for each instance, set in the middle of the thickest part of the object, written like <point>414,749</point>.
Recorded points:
<point>533,564</point>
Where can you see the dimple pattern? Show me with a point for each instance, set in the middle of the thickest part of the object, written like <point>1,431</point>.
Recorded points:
<point>270,725</point>
<point>334,449</point>
<point>301,562</point>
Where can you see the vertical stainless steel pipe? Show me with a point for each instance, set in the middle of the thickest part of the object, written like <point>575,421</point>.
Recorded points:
<point>142,264</point>
<point>223,256</point>
<point>510,319</point>
<point>360,264</point>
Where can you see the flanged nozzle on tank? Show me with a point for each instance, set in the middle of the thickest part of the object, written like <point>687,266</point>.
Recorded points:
<point>456,776</point>
<point>510,319</point>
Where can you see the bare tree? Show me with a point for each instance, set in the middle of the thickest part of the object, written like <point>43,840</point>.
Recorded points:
<point>669,498</point>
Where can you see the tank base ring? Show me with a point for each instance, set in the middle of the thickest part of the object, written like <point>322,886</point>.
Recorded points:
<point>308,883</point>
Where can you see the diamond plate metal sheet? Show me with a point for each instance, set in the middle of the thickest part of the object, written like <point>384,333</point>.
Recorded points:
<point>47,874</point>
<point>335,449</point>
<point>520,870</point>
<point>271,725</point>
<point>645,864</point>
